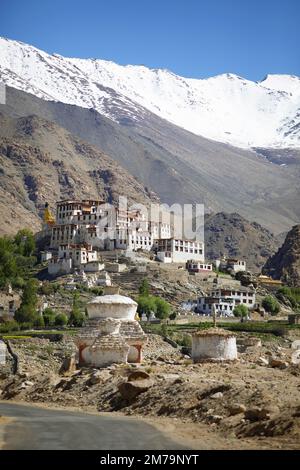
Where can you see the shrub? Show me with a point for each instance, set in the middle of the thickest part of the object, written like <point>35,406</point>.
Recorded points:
<point>9,326</point>
<point>271,305</point>
<point>26,326</point>
<point>186,341</point>
<point>61,319</point>
<point>39,322</point>
<point>290,294</point>
<point>173,316</point>
<point>164,329</point>
<point>76,318</point>
<point>162,308</point>
<point>144,289</point>
<point>97,290</point>
<point>47,288</point>
<point>241,311</point>
<point>49,316</point>
<point>146,304</point>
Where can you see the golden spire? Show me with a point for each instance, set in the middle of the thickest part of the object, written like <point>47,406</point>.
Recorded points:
<point>48,217</point>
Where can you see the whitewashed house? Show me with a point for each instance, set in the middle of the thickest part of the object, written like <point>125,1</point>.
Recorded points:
<point>225,300</point>
<point>231,265</point>
<point>172,250</point>
<point>71,257</point>
<point>199,267</point>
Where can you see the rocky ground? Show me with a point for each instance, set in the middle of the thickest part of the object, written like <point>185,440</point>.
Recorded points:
<point>253,402</point>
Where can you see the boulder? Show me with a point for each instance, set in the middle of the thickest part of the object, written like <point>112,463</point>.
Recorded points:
<point>236,409</point>
<point>278,363</point>
<point>98,376</point>
<point>261,413</point>
<point>296,344</point>
<point>295,358</point>
<point>138,375</point>
<point>28,383</point>
<point>130,390</point>
<point>94,379</point>
<point>262,361</point>
<point>217,396</point>
<point>68,365</point>
<point>215,418</point>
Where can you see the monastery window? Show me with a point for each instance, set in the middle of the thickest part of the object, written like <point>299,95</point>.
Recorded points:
<point>244,301</point>
<point>250,301</point>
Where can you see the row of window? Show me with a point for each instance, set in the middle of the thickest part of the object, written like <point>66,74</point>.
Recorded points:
<point>201,266</point>
<point>188,250</point>
<point>233,293</point>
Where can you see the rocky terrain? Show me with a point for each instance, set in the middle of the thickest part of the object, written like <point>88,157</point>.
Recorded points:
<point>251,403</point>
<point>234,236</point>
<point>42,162</point>
<point>285,263</point>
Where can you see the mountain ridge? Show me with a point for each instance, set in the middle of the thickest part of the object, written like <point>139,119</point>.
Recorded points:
<point>225,108</point>
<point>177,165</point>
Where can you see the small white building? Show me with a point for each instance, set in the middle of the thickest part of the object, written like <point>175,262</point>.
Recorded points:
<point>225,300</point>
<point>214,344</point>
<point>172,250</point>
<point>231,265</point>
<point>104,279</point>
<point>45,256</point>
<point>2,352</point>
<point>71,257</point>
<point>198,267</point>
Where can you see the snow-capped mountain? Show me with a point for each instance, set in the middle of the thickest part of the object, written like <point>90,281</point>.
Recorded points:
<point>225,108</point>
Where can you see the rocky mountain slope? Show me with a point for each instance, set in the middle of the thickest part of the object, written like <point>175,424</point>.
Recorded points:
<point>233,236</point>
<point>178,165</point>
<point>225,108</point>
<point>285,263</point>
<point>41,161</point>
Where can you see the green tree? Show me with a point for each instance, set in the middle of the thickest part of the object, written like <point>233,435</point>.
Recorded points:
<point>8,265</point>
<point>241,311</point>
<point>271,305</point>
<point>61,319</point>
<point>144,289</point>
<point>163,308</point>
<point>25,242</point>
<point>49,316</point>
<point>28,308</point>
<point>173,316</point>
<point>146,304</point>
<point>77,318</point>
<point>39,322</point>
<point>164,329</point>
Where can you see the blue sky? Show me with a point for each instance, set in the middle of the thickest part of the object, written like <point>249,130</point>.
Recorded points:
<point>194,38</point>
